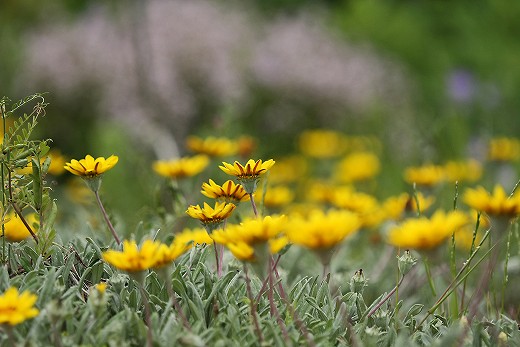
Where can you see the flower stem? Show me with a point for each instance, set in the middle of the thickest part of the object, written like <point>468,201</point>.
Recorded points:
<point>105,216</point>
<point>253,306</point>
<point>253,204</point>
<point>147,313</point>
<point>388,296</point>
<point>218,250</point>
<point>429,275</point>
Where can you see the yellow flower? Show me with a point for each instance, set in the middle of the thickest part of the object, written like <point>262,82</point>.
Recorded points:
<point>251,231</point>
<point>90,167</point>
<point>211,217</point>
<point>132,259</point>
<point>58,162</point>
<point>427,175</point>
<point>212,146</point>
<point>277,196</point>
<point>365,205</point>
<point>242,251</point>
<point>496,204</point>
<point>165,255</point>
<point>396,207</point>
<point>245,145</point>
<point>358,166</point>
<point>101,287</point>
<point>427,233</point>
<point>15,230</point>
<point>229,191</point>
<point>250,170</point>
<point>463,171</point>
<point>181,168</point>
<point>319,230</point>
<point>249,173</point>
<point>322,192</point>
<point>287,170</point>
<point>504,149</point>
<point>322,143</point>
<point>197,236</point>
<point>16,308</point>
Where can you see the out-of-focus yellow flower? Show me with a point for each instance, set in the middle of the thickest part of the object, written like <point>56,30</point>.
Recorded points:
<point>242,251</point>
<point>251,239</point>
<point>197,236</point>
<point>322,232</point>
<point>132,259</point>
<point>165,255</point>
<point>275,196</point>
<point>427,175</point>
<point>288,170</point>
<point>212,146</point>
<point>101,287</point>
<point>248,175</point>
<point>15,230</point>
<point>58,161</point>
<point>504,149</point>
<point>90,167</point>
<point>496,204</point>
<point>246,146</point>
<point>396,207</point>
<point>211,217</point>
<point>322,192</point>
<point>16,308</point>
<point>427,233</point>
<point>322,143</point>
<point>182,167</point>
<point>463,171</point>
<point>251,231</point>
<point>78,192</point>
<point>357,166</point>
<point>365,205</point>
<point>229,191</point>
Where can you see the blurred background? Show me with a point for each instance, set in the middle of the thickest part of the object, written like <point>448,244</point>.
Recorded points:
<point>431,80</point>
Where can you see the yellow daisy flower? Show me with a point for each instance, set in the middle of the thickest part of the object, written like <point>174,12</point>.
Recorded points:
<point>251,231</point>
<point>165,254</point>
<point>211,217</point>
<point>496,204</point>
<point>463,171</point>
<point>16,308</point>
<point>427,233</point>
<point>181,168</point>
<point>504,149</point>
<point>322,232</point>
<point>364,205</point>
<point>197,236</point>
<point>275,196</point>
<point>15,230</point>
<point>426,175</point>
<point>358,166</point>
<point>396,207</point>
<point>212,146</point>
<point>132,259</point>
<point>322,143</point>
<point>249,173</point>
<point>229,191</point>
<point>90,167</point>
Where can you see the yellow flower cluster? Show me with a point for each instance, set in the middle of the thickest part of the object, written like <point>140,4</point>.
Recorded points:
<point>358,166</point>
<point>212,146</point>
<point>494,204</point>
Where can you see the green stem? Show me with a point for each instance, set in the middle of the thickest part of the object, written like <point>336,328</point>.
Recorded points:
<point>388,296</point>
<point>105,216</point>
<point>429,275</point>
